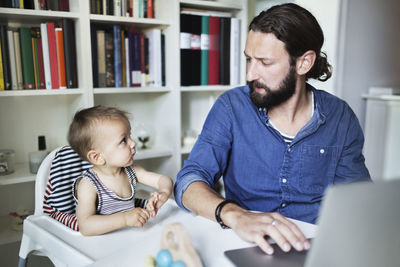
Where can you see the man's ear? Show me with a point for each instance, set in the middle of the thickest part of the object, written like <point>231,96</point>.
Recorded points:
<point>305,62</point>
<point>95,157</point>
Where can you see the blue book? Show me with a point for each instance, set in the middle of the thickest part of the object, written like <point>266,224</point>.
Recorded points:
<point>117,56</point>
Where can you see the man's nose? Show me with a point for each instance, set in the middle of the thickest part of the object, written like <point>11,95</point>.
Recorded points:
<point>252,73</point>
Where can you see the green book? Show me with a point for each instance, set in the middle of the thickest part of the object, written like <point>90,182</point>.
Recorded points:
<point>204,45</point>
<point>27,58</point>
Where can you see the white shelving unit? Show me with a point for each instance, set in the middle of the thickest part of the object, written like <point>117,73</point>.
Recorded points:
<point>168,111</point>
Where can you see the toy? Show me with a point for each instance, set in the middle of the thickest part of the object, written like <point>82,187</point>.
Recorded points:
<point>164,258</point>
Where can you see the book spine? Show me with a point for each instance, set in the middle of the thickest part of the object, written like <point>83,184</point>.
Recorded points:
<point>117,7</point>
<point>6,58</point>
<point>35,58</point>
<point>51,37</point>
<point>46,58</point>
<point>27,58</point>
<point>70,54</point>
<point>123,59</point>
<point>18,60</point>
<point>150,9</point>
<point>127,58</point>
<point>60,57</point>
<point>63,5</point>
<point>234,52</point>
<point>21,4</point>
<point>224,46</point>
<point>204,43</point>
<point>110,79</point>
<point>214,68</point>
<point>142,62</point>
<point>39,47</point>
<point>13,67</point>
<point>101,58</point>
<point>1,70</point>
<point>43,4</point>
<point>117,55</point>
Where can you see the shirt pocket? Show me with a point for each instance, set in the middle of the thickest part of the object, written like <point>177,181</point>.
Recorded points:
<point>317,167</point>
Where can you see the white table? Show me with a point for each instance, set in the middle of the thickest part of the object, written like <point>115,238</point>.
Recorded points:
<point>130,246</point>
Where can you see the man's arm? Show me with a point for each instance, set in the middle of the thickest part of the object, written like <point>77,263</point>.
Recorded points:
<point>252,227</point>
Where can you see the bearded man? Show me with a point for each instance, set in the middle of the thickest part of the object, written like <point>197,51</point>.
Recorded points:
<point>278,142</point>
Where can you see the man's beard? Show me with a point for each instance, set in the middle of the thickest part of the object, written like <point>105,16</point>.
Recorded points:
<point>274,98</point>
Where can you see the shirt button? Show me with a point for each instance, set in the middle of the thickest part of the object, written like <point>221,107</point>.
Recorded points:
<point>283,205</point>
<point>322,151</point>
<point>284,180</point>
<point>289,149</point>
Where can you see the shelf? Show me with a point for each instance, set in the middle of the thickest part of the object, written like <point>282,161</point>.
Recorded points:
<point>41,92</point>
<point>33,16</point>
<point>130,90</point>
<point>382,97</point>
<point>207,88</point>
<point>140,23</point>
<point>21,174</point>
<point>7,234</point>
<point>152,153</point>
<point>212,5</point>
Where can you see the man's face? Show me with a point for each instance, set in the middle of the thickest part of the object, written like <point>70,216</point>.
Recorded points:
<point>271,79</point>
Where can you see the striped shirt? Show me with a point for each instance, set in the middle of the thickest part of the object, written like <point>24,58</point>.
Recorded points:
<point>107,201</point>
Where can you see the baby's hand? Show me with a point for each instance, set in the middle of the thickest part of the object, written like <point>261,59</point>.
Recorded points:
<point>136,217</point>
<point>151,205</point>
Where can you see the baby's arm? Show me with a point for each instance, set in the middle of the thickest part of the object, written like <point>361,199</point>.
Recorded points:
<point>159,181</point>
<point>91,223</point>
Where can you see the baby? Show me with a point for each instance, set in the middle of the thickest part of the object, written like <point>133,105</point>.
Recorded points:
<point>106,193</point>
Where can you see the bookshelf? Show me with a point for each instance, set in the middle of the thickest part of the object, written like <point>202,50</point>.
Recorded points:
<point>167,110</point>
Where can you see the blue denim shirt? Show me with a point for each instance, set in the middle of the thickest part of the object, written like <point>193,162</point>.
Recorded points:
<point>263,173</point>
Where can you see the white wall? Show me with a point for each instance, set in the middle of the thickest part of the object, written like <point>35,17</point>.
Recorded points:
<point>371,50</point>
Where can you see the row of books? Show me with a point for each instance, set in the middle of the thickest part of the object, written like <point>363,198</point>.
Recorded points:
<point>209,47</point>
<point>38,57</point>
<point>125,8</point>
<point>124,57</point>
<point>55,5</point>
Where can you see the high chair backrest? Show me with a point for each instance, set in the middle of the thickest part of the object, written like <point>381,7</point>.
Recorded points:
<point>53,189</point>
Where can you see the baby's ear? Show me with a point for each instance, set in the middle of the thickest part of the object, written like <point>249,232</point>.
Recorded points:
<point>95,158</point>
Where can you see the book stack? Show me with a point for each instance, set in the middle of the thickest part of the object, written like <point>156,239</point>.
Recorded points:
<point>55,5</point>
<point>125,57</point>
<point>124,8</point>
<point>38,57</point>
<point>209,45</point>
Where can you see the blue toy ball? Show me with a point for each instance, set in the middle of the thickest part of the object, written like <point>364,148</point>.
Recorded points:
<point>178,264</point>
<point>164,258</point>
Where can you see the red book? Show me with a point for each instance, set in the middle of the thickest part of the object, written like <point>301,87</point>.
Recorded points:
<point>60,57</point>
<point>150,13</point>
<point>51,35</point>
<point>213,54</point>
<point>63,5</point>
<point>42,82</point>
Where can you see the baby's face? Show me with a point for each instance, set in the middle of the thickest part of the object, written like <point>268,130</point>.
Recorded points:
<point>113,140</point>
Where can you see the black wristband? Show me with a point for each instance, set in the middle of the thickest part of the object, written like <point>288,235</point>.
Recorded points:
<point>218,212</point>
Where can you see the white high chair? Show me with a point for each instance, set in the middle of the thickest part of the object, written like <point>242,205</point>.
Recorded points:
<point>37,239</point>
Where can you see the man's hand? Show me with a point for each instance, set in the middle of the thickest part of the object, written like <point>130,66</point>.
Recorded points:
<point>255,227</point>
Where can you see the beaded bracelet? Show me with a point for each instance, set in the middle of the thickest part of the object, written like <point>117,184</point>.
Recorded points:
<point>218,212</point>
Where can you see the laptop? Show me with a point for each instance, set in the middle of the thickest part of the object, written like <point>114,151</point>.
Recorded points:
<point>359,225</point>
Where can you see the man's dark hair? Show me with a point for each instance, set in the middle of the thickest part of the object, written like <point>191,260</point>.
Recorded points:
<point>300,31</point>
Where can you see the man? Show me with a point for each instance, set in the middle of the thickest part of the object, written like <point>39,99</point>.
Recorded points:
<point>278,142</point>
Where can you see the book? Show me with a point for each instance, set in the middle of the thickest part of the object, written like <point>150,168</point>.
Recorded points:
<point>39,47</point>
<point>53,5</point>
<point>35,58</point>
<point>204,45</point>
<point>63,5</point>
<point>234,73</point>
<point>155,64</point>
<point>71,75</point>
<point>214,67</point>
<point>134,59</point>
<point>109,49</point>
<point>46,57</point>
<point>18,60</point>
<point>60,57</point>
<point>190,49</point>
<point>127,59</point>
<point>163,73</point>
<point>224,48</point>
<point>123,59</point>
<point>1,71</point>
<point>143,81</point>
<point>27,58</point>
<point>150,9</point>
<point>117,7</point>
<point>13,66</point>
<point>117,55</point>
<point>95,68</point>
<point>51,38</point>
<point>5,57</point>
<point>101,58</point>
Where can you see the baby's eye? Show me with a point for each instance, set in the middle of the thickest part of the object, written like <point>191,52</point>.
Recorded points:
<point>123,141</point>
